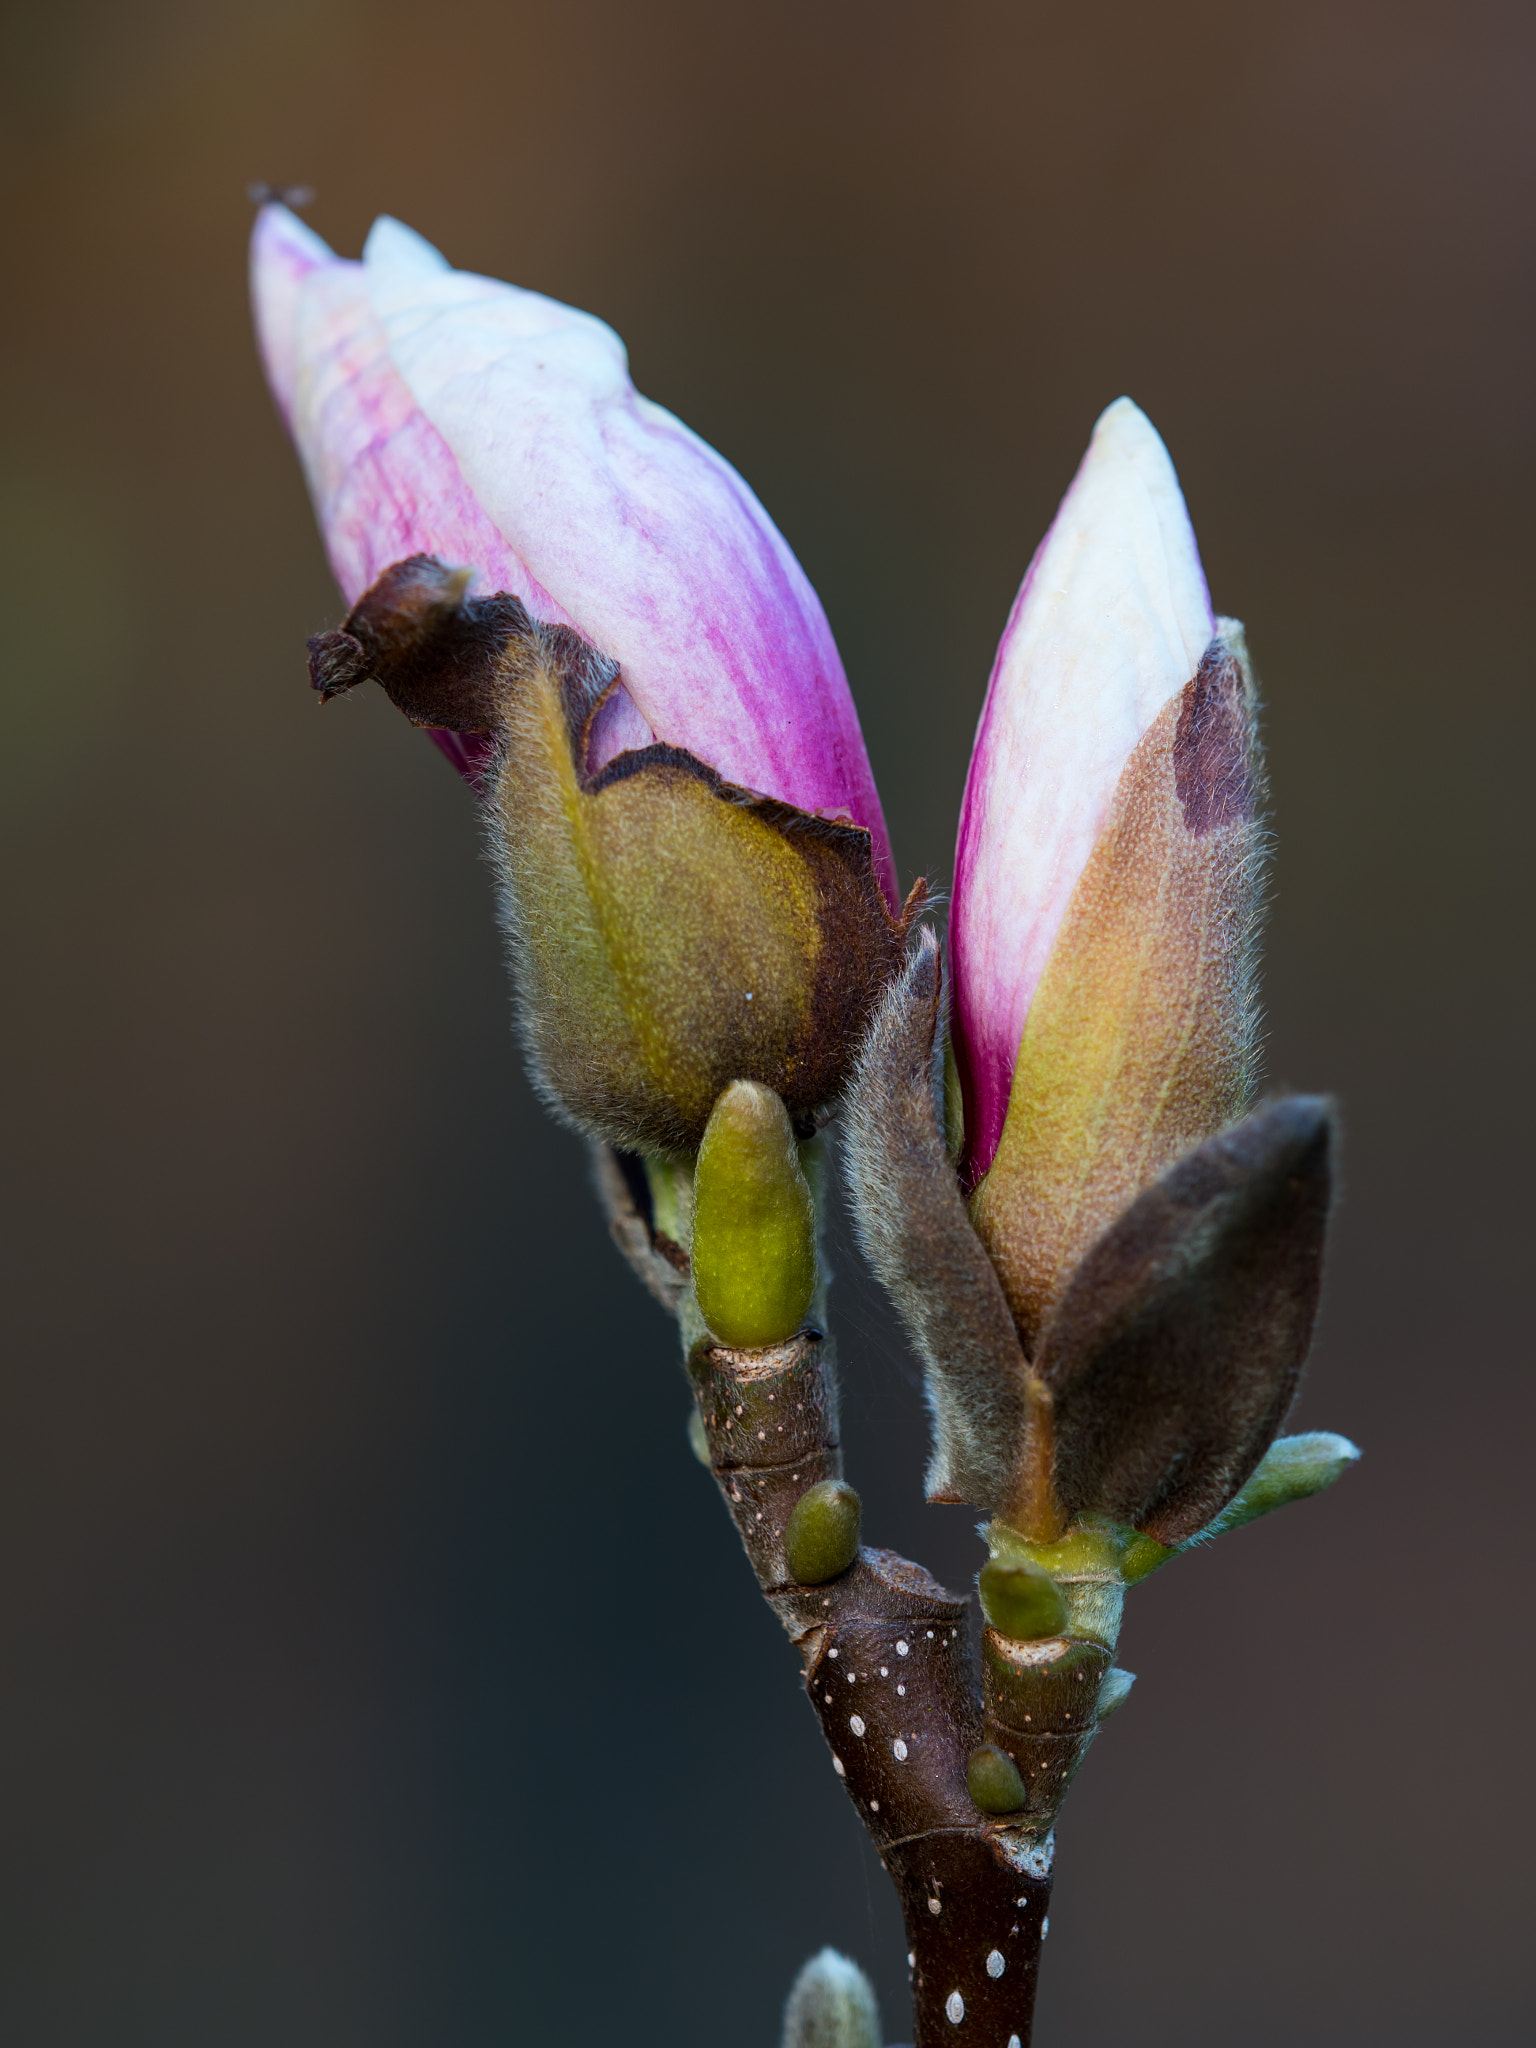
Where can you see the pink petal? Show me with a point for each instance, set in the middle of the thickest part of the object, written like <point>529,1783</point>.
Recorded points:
<point>1112,618</point>
<point>651,542</point>
<point>470,752</point>
<point>618,728</point>
<point>384,482</point>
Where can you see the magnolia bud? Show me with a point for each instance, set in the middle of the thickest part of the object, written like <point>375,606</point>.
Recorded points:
<point>1106,888</point>
<point>754,1222</point>
<point>599,624</point>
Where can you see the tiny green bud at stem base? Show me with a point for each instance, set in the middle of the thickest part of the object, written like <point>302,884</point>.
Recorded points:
<point>1021,1600</point>
<point>831,2006</point>
<point>993,1780</point>
<point>821,1538</point>
<point>754,1222</point>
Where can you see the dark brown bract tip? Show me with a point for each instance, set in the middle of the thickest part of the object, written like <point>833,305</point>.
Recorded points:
<point>437,653</point>
<point>338,662</point>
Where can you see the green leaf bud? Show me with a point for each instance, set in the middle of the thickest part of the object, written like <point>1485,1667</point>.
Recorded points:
<point>821,1538</point>
<point>993,1780</point>
<point>1291,1469</point>
<point>832,2005</point>
<point>754,1222</point>
<point>1020,1600</point>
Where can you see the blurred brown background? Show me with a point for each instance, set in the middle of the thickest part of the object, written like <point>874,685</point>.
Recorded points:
<point>349,1695</point>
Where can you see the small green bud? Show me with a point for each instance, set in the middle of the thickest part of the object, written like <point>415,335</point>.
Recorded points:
<point>1293,1468</point>
<point>754,1222</point>
<point>821,1538</point>
<point>831,2006</point>
<point>698,1441</point>
<point>1022,1601</point>
<point>993,1780</point>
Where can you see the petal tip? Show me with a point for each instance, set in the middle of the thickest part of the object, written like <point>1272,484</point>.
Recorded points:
<point>1123,433</point>
<point>285,253</point>
<point>280,240</point>
<point>391,245</point>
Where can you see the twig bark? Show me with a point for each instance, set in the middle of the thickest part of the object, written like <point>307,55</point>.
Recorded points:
<point>889,1671</point>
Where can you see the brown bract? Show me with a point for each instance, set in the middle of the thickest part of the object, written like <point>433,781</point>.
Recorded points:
<point>672,932</point>
<point>1178,1343</point>
<point>1166,1366</point>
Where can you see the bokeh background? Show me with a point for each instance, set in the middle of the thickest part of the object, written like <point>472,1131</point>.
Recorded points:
<point>376,1666</point>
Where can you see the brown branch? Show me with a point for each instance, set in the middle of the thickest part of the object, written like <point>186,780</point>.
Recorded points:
<point>889,1671</point>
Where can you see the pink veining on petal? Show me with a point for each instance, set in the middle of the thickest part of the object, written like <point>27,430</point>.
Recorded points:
<point>651,542</point>
<point>384,482</point>
<point>1112,618</point>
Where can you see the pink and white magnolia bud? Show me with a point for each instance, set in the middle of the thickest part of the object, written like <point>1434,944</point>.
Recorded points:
<point>599,623</point>
<point>446,414</point>
<point>1114,1323</point>
<point>1106,874</point>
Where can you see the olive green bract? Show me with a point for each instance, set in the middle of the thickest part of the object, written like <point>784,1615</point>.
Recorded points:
<point>1022,1601</point>
<point>754,1222</point>
<point>821,1538</point>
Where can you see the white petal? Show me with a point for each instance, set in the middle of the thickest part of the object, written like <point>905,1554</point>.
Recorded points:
<point>392,245</point>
